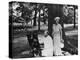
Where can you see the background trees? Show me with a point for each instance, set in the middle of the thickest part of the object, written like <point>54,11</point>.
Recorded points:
<point>36,14</point>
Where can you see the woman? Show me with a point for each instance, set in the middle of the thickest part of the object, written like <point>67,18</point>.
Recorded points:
<point>57,37</point>
<point>47,51</point>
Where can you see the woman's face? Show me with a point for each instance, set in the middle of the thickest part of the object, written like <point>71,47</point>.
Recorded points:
<point>46,33</point>
<point>57,20</point>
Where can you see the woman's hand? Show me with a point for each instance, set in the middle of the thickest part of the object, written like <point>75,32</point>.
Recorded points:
<point>62,40</point>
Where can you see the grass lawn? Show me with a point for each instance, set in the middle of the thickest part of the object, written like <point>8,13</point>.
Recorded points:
<point>21,46</point>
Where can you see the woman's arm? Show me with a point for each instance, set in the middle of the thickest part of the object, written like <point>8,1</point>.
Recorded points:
<point>60,29</point>
<point>61,36</point>
<point>60,33</point>
<point>52,30</point>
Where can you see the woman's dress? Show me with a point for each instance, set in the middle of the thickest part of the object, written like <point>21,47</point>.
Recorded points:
<point>48,46</point>
<point>57,39</point>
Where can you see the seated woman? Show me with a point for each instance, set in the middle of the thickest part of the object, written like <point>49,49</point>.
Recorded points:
<point>48,45</point>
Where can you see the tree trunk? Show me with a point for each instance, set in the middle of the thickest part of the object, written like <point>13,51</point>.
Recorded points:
<point>74,18</point>
<point>35,16</point>
<point>39,21</point>
<point>50,19</point>
<point>53,11</point>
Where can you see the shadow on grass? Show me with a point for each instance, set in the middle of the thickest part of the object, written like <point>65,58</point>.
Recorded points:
<point>70,28</point>
<point>71,44</point>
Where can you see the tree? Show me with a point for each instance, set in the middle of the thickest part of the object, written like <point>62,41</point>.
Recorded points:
<point>35,14</point>
<point>75,7</point>
<point>53,11</point>
<point>39,7</point>
<point>50,18</point>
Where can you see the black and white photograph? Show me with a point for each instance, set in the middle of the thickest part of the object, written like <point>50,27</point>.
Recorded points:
<point>42,29</point>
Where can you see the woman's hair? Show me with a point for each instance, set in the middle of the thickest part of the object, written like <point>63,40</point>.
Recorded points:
<point>57,18</point>
<point>46,31</point>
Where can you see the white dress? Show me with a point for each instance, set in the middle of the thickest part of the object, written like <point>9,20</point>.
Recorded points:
<point>48,46</point>
<point>56,39</point>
